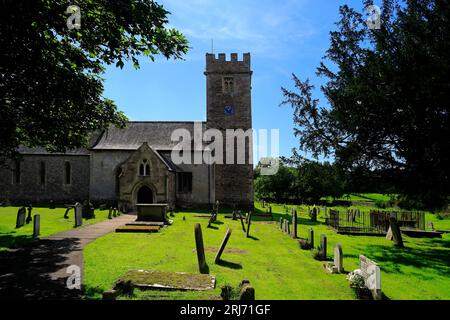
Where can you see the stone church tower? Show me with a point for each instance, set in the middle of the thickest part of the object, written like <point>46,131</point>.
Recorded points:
<point>228,105</point>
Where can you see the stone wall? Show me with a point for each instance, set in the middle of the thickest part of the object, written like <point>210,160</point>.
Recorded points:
<point>31,190</point>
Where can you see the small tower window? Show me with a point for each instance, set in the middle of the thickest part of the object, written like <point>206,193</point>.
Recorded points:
<point>42,172</point>
<point>16,172</point>
<point>67,173</point>
<point>228,84</point>
<point>144,168</point>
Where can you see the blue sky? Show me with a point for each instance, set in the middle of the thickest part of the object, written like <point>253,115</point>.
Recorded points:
<point>283,37</point>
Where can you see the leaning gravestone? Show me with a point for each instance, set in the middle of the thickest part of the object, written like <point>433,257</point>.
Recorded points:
<point>372,276</point>
<point>248,224</point>
<point>294,224</point>
<point>203,268</point>
<point>29,218</point>
<point>311,237</point>
<point>36,225</point>
<point>242,220</point>
<point>78,214</point>
<point>20,221</point>
<point>396,234</point>
<point>66,214</point>
<point>338,258</point>
<point>323,246</point>
<point>222,246</point>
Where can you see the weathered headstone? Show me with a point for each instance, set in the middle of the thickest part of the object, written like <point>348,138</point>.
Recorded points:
<point>396,234</point>
<point>270,209</point>
<point>323,246</point>
<point>29,218</point>
<point>311,237</point>
<point>294,224</point>
<point>248,224</point>
<point>389,235</point>
<point>20,221</point>
<point>114,212</point>
<point>222,246</point>
<point>372,276</point>
<point>338,258</point>
<point>110,213</point>
<point>203,268</point>
<point>78,214</point>
<point>36,225</point>
<point>281,224</point>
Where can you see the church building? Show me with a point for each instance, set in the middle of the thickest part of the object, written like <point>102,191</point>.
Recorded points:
<point>133,165</point>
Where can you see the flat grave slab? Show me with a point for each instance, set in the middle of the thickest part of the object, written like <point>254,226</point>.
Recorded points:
<point>417,233</point>
<point>138,229</point>
<point>145,223</point>
<point>150,279</point>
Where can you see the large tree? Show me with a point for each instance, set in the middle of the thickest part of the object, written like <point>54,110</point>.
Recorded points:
<point>50,84</point>
<point>388,93</point>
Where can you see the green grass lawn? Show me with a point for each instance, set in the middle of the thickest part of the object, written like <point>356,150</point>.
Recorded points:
<point>272,261</point>
<point>369,197</point>
<point>52,221</point>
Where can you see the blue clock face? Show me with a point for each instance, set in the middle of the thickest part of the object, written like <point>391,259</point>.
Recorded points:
<point>228,110</point>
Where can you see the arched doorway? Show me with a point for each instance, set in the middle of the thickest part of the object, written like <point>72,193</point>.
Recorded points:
<point>145,195</point>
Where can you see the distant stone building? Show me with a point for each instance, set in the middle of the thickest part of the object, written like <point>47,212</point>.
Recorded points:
<point>134,165</point>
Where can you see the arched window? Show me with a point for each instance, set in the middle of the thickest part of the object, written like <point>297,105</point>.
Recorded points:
<point>68,173</point>
<point>144,168</point>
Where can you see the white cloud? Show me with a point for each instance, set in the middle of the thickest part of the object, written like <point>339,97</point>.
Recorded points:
<point>263,27</point>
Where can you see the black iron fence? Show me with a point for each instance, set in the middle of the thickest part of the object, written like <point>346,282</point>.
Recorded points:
<point>373,221</point>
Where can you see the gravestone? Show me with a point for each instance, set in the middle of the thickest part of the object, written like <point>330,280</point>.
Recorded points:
<point>270,210</point>
<point>20,221</point>
<point>114,212</point>
<point>372,276</point>
<point>110,213</point>
<point>87,210</point>
<point>338,258</point>
<point>248,224</point>
<point>311,237</point>
<point>242,220</point>
<point>281,224</point>
<point>203,268</point>
<point>36,225</point>
<point>288,227</point>
<point>294,224</point>
<point>314,215</point>
<point>29,218</point>
<point>431,225</point>
<point>389,235</point>
<point>323,246</point>
<point>246,218</point>
<point>52,205</point>
<point>396,234</point>
<point>222,246</point>
<point>78,214</point>
<point>234,216</point>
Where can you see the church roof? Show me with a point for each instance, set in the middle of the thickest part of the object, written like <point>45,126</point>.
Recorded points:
<point>156,133</point>
<point>42,151</point>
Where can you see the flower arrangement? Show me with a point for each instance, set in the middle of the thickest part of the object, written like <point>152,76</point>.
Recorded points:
<point>357,282</point>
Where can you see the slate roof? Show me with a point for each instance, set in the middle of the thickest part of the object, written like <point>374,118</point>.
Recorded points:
<point>43,151</point>
<point>156,133</point>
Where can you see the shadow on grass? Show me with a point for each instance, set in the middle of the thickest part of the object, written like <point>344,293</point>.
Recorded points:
<point>229,264</point>
<point>11,241</point>
<point>253,238</point>
<point>212,227</point>
<point>391,259</point>
<point>25,273</point>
